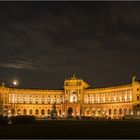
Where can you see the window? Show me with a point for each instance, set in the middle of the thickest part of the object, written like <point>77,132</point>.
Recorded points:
<point>13,111</point>
<point>24,100</point>
<point>138,105</point>
<point>49,111</point>
<point>87,112</point>
<point>125,111</point>
<point>137,89</point>
<point>18,101</point>
<point>18,111</point>
<point>137,97</point>
<point>74,99</point>
<point>36,100</point>
<point>36,111</point>
<point>61,100</point>
<point>42,112</point>
<point>130,97</point>
<point>43,100</point>
<point>54,100</point>
<point>24,111</point>
<point>30,111</point>
<point>120,111</point>
<point>130,111</point>
<point>109,111</point>
<point>60,112</point>
<point>48,99</point>
<point>115,111</point>
<point>93,111</point>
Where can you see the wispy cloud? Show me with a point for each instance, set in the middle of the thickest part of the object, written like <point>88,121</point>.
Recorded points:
<point>18,65</point>
<point>90,38</point>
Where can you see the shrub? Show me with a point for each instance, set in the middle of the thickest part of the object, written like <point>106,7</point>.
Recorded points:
<point>109,118</point>
<point>23,119</point>
<point>4,119</point>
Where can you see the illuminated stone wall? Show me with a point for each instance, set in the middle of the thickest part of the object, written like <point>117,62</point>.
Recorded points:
<point>76,99</point>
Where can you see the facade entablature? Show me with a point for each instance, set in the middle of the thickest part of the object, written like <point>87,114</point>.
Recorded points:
<point>8,91</point>
<point>89,91</point>
<point>106,91</point>
<point>72,87</point>
<point>113,89</point>
<point>34,90</point>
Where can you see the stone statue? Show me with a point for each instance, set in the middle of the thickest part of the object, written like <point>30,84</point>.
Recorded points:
<point>74,77</point>
<point>133,78</point>
<point>54,112</point>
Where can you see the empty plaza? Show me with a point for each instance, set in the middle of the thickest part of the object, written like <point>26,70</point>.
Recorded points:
<point>71,129</point>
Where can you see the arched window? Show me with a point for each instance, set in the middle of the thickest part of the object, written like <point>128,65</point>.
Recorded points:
<point>48,100</point>
<point>130,111</point>
<point>36,111</point>
<point>109,111</point>
<point>120,111</point>
<point>18,111</point>
<point>93,111</point>
<point>43,100</point>
<point>24,111</point>
<point>30,100</point>
<point>125,111</point>
<point>42,112</point>
<point>87,112</point>
<point>74,99</point>
<point>49,111</point>
<point>30,112</point>
<point>13,111</point>
<point>99,111</point>
<point>115,111</point>
<point>60,112</point>
<point>36,100</point>
<point>61,100</point>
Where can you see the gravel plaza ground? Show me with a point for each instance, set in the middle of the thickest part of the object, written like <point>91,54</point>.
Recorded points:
<point>73,129</point>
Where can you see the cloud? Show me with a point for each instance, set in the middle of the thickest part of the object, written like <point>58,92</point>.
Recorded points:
<point>20,65</point>
<point>88,38</point>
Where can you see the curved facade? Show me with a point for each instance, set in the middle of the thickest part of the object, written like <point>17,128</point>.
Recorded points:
<point>76,99</point>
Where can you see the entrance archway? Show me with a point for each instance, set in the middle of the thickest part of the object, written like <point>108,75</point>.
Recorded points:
<point>70,110</point>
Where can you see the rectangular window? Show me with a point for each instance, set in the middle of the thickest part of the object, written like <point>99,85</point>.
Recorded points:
<point>48,100</point>
<point>42,100</point>
<point>61,100</point>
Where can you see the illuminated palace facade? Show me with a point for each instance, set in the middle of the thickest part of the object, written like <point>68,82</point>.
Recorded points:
<point>76,99</point>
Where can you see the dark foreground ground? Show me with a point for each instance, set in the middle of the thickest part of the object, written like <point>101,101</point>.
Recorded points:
<point>73,129</point>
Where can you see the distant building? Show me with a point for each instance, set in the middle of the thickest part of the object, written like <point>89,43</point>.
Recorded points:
<point>76,99</point>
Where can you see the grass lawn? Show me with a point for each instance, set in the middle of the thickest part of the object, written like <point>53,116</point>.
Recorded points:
<point>73,129</point>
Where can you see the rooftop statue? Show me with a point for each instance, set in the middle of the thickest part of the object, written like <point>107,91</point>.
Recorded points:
<point>74,77</point>
<point>133,78</point>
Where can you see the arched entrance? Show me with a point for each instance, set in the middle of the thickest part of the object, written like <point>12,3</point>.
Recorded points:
<point>70,110</point>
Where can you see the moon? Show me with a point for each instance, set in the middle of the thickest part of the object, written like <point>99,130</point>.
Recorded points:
<point>15,82</point>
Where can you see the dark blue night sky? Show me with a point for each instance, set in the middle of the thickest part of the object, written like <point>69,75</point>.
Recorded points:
<point>43,43</point>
